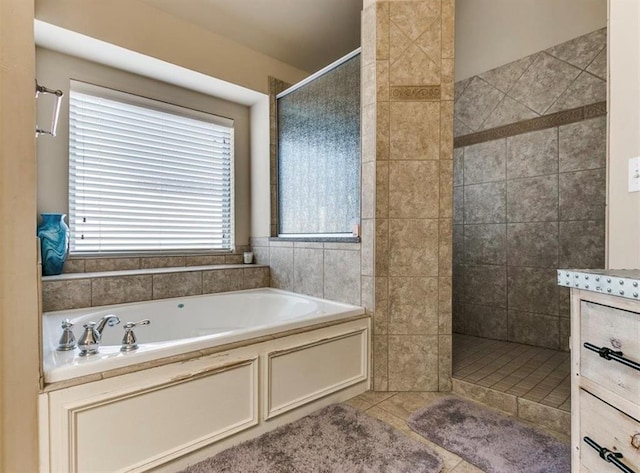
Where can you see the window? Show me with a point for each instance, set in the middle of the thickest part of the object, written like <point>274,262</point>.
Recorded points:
<point>145,176</point>
<point>319,153</point>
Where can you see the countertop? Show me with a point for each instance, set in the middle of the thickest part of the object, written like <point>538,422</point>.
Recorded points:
<point>619,282</point>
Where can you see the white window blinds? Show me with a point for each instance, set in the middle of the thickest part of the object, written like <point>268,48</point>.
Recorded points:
<point>145,176</point>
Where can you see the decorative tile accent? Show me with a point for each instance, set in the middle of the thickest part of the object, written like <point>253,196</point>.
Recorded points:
<point>546,121</point>
<point>415,93</point>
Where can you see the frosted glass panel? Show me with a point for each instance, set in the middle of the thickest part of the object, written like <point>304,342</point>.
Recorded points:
<point>319,153</point>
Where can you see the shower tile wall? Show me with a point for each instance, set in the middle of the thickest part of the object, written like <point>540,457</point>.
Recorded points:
<point>528,203</point>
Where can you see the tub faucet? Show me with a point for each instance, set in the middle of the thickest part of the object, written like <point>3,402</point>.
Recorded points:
<point>107,319</point>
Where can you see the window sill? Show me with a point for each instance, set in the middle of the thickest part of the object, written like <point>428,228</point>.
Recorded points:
<point>140,272</point>
<point>318,239</point>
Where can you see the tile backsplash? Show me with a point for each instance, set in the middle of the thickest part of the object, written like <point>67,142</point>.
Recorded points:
<point>74,291</point>
<point>328,270</point>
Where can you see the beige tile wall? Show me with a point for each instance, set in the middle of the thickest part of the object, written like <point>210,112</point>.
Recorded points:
<point>320,269</point>
<point>407,143</point>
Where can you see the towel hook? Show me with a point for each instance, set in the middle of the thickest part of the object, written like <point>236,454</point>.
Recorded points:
<point>56,109</point>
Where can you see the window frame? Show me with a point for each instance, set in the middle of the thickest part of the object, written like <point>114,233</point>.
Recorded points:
<point>138,100</point>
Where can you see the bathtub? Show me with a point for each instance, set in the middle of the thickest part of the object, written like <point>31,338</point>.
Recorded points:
<point>183,325</point>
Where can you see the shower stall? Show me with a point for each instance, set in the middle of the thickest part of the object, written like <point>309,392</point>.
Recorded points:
<point>529,198</point>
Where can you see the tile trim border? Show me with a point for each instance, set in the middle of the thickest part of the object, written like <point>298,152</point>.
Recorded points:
<point>415,93</point>
<point>552,120</point>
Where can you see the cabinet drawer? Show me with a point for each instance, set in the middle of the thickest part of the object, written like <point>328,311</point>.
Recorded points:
<point>611,429</point>
<point>618,330</point>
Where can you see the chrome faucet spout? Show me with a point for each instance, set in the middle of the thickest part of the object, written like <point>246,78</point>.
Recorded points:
<point>111,320</point>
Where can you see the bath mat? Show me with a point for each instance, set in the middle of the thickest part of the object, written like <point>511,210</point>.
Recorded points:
<point>336,439</point>
<point>492,442</point>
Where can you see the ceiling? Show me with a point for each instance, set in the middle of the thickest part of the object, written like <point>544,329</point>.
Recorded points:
<point>307,34</point>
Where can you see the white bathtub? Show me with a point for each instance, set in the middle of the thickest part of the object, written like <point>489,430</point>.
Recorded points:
<point>183,325</point>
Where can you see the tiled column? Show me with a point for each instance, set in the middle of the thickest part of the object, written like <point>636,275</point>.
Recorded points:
<point>407,141</point>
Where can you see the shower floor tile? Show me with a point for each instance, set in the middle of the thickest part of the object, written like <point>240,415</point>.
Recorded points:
<point>540,375</point>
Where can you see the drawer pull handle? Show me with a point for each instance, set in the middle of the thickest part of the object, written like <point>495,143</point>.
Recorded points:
<point>609,456</point>
<point>609,354</point>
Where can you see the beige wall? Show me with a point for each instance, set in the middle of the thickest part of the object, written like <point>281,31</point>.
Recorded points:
<point>142,28</point>
<point>19,321</point>
<point>54,70</point>
<point>623,230</point>
<point>490,33</point>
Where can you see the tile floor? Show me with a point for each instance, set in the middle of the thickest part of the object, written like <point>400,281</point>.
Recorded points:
<point>514,371</point>
<point>540,375</point>
<point>394,409</point>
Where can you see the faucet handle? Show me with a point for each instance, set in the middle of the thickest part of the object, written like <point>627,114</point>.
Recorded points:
<point>67,340</point>
<point>130,325</point>
<point>129,341</point>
